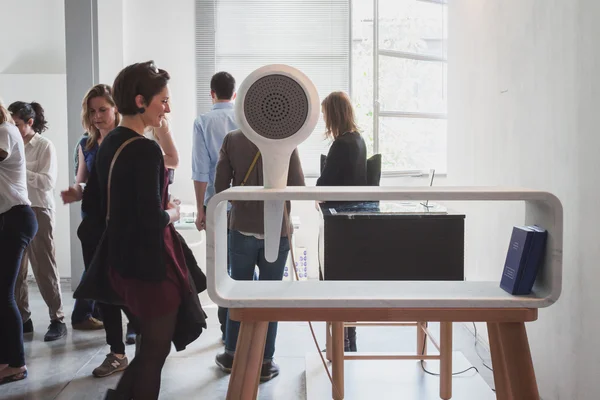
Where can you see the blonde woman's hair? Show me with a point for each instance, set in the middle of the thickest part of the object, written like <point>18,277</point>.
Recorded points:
<point>100,90</point>
<point>4,114</point>
<point>338,114</point>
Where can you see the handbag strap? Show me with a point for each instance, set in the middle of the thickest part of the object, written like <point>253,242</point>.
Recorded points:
<point>110,171</point>
<point>251,168</point>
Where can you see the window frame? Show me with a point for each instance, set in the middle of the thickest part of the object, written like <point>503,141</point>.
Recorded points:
<point>377,112</point>
<point>205,31</point>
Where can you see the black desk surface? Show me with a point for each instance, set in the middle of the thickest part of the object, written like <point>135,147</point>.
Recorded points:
<point>384,209</point>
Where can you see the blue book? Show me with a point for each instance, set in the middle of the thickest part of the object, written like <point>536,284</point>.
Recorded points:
<point>535,260</point>
<point>523,259</point>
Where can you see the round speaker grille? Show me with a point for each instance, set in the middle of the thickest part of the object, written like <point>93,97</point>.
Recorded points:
<point>276,106</point>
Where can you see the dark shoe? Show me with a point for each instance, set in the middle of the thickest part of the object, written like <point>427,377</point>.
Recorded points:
<point>90,324</point>
<point>28,326</point>
<point>114,395</point>
<point>350,339</point>
<point>13,378</point>
<point>130,336</point>
<point>56,330</point>
<point>138,344</point>
<point>269,371</point>
<point>224,362</point>
<point>110,365</point>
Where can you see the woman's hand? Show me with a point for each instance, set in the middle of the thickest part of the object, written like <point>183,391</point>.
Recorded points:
<point>173,211</point>
<point>72,194</point>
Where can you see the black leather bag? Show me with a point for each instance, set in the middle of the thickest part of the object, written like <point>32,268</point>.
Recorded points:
<point>194,270</point>
<point>95,282</point>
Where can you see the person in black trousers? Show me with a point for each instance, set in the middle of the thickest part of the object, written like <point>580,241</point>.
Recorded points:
<point>18,226</point>
<point>100,116</point>
<point>346,163</point>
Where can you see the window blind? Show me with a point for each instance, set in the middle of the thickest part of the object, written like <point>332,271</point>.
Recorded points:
<point>239,36</point>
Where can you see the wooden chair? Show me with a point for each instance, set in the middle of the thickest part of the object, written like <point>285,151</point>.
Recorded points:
<point>254,304</point>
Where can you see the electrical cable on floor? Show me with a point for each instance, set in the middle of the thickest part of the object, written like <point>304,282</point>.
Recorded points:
<point>312,330</point>
<point>436,374</point>
<point>477,351</point>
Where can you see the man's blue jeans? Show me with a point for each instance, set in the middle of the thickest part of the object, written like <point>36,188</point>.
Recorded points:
<point>246,252</point>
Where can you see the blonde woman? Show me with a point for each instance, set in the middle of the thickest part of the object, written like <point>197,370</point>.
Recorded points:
<point>99,116</point>
<point>346,163</point>
<point>18,226</point>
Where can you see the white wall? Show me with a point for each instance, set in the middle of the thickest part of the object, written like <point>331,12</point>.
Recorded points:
<point>523,87</point>
<point>110,40</point>
<point>32,67</point>
<point>164,32</point>
<point>33,37</point>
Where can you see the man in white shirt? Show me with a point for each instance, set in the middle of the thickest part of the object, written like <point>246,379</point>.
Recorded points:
<point>40,157</point>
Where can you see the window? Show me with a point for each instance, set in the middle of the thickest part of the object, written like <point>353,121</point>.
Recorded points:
<point>400,104</point>
<point>399,85</point>
<point>239,36</point>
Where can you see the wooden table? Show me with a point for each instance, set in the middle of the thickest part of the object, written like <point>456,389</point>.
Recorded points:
<point>256,303</point>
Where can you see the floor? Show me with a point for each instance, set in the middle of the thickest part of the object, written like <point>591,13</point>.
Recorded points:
<point>62,369</point>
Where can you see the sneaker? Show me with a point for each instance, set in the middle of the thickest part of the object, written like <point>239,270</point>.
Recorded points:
<point>56,330</point>
<point>224,362</point>
<point>269,371</point>
<point>130,335</point>
<point>90,324</point>
<point>28,326</point>
<point>111,364</point>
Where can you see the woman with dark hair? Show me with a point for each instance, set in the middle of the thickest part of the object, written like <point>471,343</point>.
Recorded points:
<point>346,163</point>
<point>17,227</point>
<point>99,116</point>
<point>146,264</point>
<point>41,164</point>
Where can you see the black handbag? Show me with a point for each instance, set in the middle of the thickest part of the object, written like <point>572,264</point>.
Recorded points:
<point>196,274</point>
<point>95,282</point>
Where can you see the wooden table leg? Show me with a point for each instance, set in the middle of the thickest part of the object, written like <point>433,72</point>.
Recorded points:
<point>328,342</point>
<point>498,363</point>
<point>421,338</point>
<point>249,353</point>
<point>337,363</point>
<point>445,360</point>
<point>519,366</point>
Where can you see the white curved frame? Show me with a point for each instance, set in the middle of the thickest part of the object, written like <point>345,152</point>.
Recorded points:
<point>542,208</point>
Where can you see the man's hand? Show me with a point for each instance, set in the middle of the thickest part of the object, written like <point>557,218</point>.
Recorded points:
<point>201,220</point>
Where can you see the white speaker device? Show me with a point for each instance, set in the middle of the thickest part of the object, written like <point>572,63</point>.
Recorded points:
<point>277,108</point>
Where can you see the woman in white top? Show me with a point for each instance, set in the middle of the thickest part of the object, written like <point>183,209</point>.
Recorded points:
<point>17,227</point>
<point>41,164</point>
